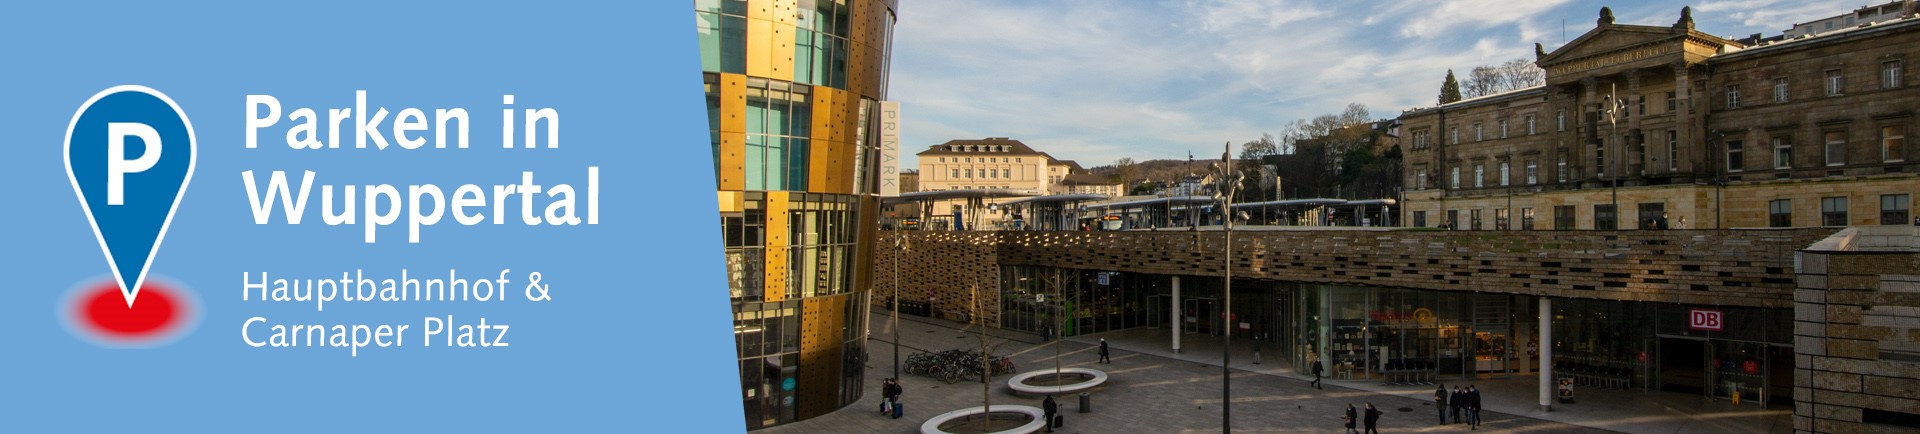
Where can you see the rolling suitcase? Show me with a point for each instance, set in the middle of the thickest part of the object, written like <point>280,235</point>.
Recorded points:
<point>1059,421</point>
<point>897,410</point>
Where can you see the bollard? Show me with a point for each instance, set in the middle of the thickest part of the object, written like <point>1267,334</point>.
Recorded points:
<point>1086,402</point>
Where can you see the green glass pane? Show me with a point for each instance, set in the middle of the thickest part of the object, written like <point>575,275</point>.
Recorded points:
<point>756,162</point>
<point>709,28</point>
<point>776,162</point>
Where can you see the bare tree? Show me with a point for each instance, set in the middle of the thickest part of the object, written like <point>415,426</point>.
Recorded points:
<point>1522,74</point>
<point>1482,81</point>
<point>987,345</point>
<point>1515,74</point>
<point>1124,169</point>
<point>1260,147</point>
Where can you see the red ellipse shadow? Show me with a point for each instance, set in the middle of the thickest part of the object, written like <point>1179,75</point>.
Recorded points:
<point>104,311</point>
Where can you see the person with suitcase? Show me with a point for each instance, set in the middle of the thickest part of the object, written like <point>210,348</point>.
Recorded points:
<point>895,400</point>
<point>886,397</point>
<point>1049,408</point>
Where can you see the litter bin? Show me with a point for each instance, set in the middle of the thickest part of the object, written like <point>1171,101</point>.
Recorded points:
<point>1086,402</point>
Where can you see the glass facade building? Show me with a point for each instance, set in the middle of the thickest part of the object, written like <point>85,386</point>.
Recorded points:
<point>792,92</point>
<point>1402,335</point>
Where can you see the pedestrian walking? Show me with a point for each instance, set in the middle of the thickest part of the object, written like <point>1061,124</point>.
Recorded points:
<point>1664,222</point>
<point>1372,419</point>
<point>1455,401</point>
<point>1317,369</point>
<point>1440,402</point>
<point>886,396</point>
<point>1682,224</point>
<point>1103,352</point>
<point>1352,419</point>
<point>1049,408</point>
<point>1473,407</point>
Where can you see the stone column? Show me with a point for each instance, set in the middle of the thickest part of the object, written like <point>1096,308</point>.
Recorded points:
<point>1692,153</point>
<point>1179,321</point>
<point>1637,143</point>
<point>1546,354</point>
<point>1589,102</point>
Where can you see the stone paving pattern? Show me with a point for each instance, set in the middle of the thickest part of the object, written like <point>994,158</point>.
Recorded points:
<point>1148,393</point>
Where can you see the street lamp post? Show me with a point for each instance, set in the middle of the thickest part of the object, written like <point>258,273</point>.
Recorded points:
<point>1229,183</point>
<point>1613,105</point>
<point>898,245</point>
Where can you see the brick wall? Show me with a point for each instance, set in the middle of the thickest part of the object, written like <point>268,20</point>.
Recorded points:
<point>1857,330</point>
<point>949,265</point>
<point>1750,268</point>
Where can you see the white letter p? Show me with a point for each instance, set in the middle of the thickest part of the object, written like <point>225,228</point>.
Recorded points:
<point>118,166</point>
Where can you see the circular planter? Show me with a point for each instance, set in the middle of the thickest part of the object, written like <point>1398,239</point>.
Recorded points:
<point>1091,378</point>
<point>1034,419</point>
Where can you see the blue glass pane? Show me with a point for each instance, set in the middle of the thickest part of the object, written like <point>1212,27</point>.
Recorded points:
<point>797,165</point>
<point>733,44</point>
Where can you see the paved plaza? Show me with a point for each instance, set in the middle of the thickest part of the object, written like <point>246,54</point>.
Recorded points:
<point>1155,391</point>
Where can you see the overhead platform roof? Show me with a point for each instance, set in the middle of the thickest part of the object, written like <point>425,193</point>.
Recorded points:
<point>1076,197</point>
<point>1183,200</point>
<point>1315,202</point>
<point>987,193</point>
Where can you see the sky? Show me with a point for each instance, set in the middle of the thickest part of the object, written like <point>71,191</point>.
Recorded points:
<point>1098,80</point>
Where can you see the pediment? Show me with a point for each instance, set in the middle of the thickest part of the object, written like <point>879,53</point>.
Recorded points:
<point>1608,39</point>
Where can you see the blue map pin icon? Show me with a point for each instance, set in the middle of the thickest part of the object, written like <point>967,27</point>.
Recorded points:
<point>130,152</point>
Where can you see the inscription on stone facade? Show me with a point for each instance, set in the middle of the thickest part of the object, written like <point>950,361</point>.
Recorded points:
<point>1610,59</point>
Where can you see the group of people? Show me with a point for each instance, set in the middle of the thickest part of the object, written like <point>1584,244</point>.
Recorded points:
<point>1370,419</point>
<point>1660,224</point>
<point>890,397</point>
<point>1459,399</point>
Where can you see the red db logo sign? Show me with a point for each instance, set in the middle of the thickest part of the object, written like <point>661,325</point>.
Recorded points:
<point>1704,320</point>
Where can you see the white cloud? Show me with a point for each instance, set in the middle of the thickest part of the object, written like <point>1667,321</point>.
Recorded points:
<point>1232,15</point>
<point>1095,81</point>
<point>1431,18</point>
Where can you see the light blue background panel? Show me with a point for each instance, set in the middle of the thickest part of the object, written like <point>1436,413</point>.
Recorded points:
<point>636,338</point>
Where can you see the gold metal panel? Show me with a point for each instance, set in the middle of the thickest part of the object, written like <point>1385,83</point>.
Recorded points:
<point>818,175</point>
<point>733,103</point>
<point>776,257</point>
<point>731,201</point>
<point>843,167</point>
<point>864,256</point>
<point>784,11</point>
<point>759,10</point>
<point>857,13</point>
<point>780,59</point>
<point>759,47</point>
<point>871,86</point>
<point>856,68</point>
<point>846,108</point>
<point>822,113</point>
<point>821,321</point>
<point>733,161</point>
